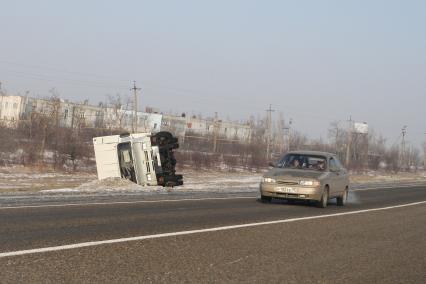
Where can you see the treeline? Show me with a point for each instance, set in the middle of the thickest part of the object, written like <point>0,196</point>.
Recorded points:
<point>359,152</point>
<point>202,152</point>
<point>40,140</point>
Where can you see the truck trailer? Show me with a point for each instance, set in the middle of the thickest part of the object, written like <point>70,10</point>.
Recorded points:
<point>143,158</point>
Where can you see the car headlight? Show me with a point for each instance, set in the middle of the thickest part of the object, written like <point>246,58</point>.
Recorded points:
<point>268,180</point>
<point>309,182</point>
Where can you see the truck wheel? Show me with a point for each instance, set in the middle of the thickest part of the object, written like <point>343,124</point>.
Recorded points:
<point>341,201</point>
<point>324,199</point>
<point>265,199</point>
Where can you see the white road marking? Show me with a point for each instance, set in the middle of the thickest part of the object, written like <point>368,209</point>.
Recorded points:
<point>181,233</point>
<point>372,188</point>
<point>385,187</point>
<point>125,202</point>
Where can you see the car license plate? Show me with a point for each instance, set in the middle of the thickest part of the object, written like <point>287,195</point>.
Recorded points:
<point>286,189</point>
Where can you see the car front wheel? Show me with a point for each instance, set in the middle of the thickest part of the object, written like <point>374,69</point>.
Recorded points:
<point>324,199</point>
<point>341,201</point>
<point>265,199</point>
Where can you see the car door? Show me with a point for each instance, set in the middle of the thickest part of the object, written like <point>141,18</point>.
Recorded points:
<point>344,176</point>
<point>339,177</point>
<point>335,178</point>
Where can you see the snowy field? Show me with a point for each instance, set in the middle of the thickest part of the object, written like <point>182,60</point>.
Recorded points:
<point>20,179</point>
<point>193,182</point>
<point>25,180</point>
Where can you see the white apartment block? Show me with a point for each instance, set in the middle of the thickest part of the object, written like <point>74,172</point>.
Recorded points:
<point>83,115</point>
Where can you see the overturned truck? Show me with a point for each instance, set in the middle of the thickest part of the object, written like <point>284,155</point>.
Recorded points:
<point>144,158</point>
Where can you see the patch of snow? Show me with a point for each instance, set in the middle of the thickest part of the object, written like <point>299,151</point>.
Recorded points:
<point>110,184</point>
<point>9,186</point>
<point>211,182</point>
<point>60,190</point>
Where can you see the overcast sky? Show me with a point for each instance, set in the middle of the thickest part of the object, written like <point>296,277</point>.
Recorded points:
<point>314,61</point>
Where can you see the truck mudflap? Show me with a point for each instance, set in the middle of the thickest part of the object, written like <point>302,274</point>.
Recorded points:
<point>167,143</point>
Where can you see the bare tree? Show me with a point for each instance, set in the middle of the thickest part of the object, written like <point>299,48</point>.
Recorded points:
<point>115,114</point>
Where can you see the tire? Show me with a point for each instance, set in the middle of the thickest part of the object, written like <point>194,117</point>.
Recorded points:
<point>324,199</point>
<point>265,199</point>
<point>341,201</point>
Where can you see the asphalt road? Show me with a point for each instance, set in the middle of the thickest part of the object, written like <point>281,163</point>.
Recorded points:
<point>371,246</point>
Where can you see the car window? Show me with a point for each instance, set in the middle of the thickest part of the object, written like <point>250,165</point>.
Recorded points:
<point>338,163</point>
<point>333,165</point>
<point>303,162</point>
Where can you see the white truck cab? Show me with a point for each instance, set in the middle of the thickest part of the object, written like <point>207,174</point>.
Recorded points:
<point>144,158</point>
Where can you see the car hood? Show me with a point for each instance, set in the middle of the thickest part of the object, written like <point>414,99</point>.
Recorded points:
<point>292,173</point>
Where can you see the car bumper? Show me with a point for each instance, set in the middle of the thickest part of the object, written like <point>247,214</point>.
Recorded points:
<point>295,192</point>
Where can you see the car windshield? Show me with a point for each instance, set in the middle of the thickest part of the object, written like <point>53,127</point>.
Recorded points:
<point>303,162</point>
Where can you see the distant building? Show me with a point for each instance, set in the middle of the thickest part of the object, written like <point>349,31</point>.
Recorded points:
<point>175,124</point>
<point>83,115</point>
<point>74,115</point>
<point>186,125</point>
<point>12,109</point>
<point>235,131</point>
<point>147,122</point>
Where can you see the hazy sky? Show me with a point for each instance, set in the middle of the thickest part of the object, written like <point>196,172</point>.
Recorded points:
<point>314,61</point>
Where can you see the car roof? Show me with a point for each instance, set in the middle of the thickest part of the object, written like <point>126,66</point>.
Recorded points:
<point>315,153</point>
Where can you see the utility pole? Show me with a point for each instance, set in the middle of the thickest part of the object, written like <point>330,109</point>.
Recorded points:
<point>287,129</point>
<point>135,108</point>
<point>336,139</point>
<point>348,144</point>
<point>290,123</point>
<point>215,129</point>
<point>286,147</point>
<point>269,135</point>
<point>31,121</point>
<point>403,158</point>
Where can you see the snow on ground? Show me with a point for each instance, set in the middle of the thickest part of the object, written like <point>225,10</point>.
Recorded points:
<point>21,179</point>
<point>25,179</point>
<point>387,177</point>
<point>193,182</point>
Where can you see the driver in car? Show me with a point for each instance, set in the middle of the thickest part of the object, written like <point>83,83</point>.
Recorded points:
<point>296,164</point>
<point>320,165</point>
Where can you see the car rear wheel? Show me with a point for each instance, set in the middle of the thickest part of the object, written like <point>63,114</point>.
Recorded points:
<point>324,199</point>
<point>341,201</point>
<point>265,199</point>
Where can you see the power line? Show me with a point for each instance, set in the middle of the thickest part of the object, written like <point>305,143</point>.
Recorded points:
<point>182,91</point>
<point>194,95</point>
<point>56,69</point>
<point>50,78</point>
